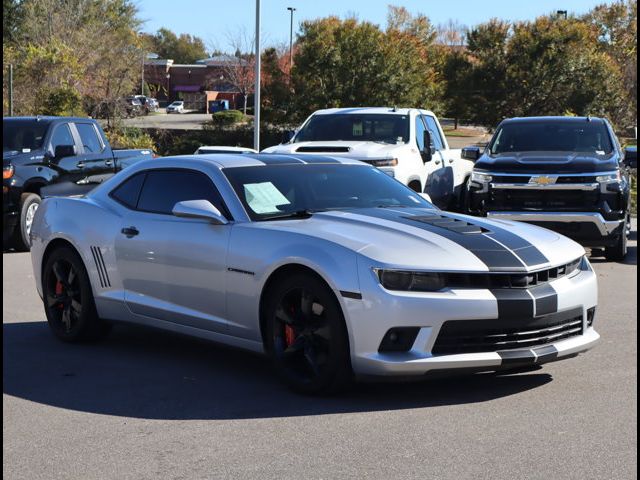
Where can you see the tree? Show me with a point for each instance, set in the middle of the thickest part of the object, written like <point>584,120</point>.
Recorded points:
<point>181,49</point>
<point>277,93</point>
<point>12,13</point>
<point>239,69</point>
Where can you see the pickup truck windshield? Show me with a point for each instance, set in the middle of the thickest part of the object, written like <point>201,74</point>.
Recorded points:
<point>23,134</point>
<point>552,136</point>
<point>280,191</point>
<point>392,129</point>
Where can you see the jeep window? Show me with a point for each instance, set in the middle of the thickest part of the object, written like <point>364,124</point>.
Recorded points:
<point>392,129</point>
<point>552,136</point>
<point>23,134</point>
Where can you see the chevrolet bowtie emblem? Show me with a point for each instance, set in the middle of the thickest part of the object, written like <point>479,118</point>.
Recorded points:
<point>543,180</point>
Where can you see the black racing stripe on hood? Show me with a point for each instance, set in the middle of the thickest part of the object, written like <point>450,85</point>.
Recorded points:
<point>496,256</point>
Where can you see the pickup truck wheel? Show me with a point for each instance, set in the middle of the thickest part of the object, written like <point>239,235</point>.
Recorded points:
<point>618,252</point>
<point>29,203</point>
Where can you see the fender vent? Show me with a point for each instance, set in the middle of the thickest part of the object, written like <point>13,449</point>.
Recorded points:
<point>102,268</point>
<point>448,223</point>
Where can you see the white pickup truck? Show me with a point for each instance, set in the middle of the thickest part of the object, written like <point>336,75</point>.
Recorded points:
<point>406,143</point>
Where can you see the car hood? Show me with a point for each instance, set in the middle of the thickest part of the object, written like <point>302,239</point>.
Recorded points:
<point>354,150</point>
<point>433,239</point>
<point>548,162</point>
<point>20,158</point>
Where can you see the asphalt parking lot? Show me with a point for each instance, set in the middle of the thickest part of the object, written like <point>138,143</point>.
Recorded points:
<point>147,405</point>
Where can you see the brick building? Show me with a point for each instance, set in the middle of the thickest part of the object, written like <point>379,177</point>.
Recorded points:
<point>196,84</point>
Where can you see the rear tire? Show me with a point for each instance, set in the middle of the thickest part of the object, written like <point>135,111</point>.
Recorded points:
<point>68,298</point>
<point>306,336</point>
<point>618,252</point>
<point>29,203</point>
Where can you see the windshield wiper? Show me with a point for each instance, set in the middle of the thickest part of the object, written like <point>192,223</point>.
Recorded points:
<point>305,213</point>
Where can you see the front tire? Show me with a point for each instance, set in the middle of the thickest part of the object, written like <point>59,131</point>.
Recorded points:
<point>29,203</point>
<point>306,336</point>
<point>618,252</point>
<point>68,298</point>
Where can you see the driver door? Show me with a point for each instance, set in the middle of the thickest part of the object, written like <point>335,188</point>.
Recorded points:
<point>434,168</point>
<point>173,269</point>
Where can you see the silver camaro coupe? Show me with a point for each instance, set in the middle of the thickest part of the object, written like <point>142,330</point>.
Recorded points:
<point>332,268</point>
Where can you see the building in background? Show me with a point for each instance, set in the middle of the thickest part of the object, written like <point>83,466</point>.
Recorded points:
<point>198,84</point>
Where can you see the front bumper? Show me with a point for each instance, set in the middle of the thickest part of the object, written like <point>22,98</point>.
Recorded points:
<point>379,311</point>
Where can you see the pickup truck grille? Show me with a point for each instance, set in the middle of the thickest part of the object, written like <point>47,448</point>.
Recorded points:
<point>568,180</point>
<point>508,199</point>
<point>474,336</point>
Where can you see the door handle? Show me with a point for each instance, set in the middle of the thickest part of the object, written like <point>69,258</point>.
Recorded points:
<point>451,160</point>
<point>80,164</point>
<point>130,231</point>
<point>108,162</point>
<point>437,162</point>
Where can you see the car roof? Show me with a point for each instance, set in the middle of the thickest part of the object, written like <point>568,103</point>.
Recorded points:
<point>229,160</point>
<point>371,110</point>
<point>553,118</point>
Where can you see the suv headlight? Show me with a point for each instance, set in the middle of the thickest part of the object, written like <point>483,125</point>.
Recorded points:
<point>383,162</point>
<point>611,177</point>
<point>7,172</point>
<point>479,177</point>
<point>411,281</point>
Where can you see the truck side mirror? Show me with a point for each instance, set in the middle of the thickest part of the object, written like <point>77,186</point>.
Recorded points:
<point>287,135</point>
<point>62,151</point>
<point>470,153</point>
<point>631,157</point>
<point>427,152</point>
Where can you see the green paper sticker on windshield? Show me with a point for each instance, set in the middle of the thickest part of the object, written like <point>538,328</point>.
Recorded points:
<point>264,197</point>
<point>357,129</point>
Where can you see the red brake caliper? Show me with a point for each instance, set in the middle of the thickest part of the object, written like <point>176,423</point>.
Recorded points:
<point>59,291</point>
<point>289,333</point>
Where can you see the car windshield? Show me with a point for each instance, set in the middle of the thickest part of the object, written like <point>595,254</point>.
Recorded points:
<point>278,191</point>
<point>552,136</point>
<point>23,134</point>
<point>383,128</point>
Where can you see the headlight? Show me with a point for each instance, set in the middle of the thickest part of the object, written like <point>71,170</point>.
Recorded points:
<point>7,172</point>
<point>385,162</point>
<point>480,177</point>
<point>411,281</point>
<point>612,177</point>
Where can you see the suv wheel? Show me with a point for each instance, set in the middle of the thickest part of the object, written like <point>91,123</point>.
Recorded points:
<point>29,203</point>
<point>618,252</point>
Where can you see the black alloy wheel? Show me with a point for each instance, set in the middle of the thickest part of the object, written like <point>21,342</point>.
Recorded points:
<point>68,299</point>
<point>306,336</point>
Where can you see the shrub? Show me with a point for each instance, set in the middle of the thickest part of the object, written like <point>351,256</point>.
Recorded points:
<point>227,117</point>
<point>129,137</point>
<point>64,101</point>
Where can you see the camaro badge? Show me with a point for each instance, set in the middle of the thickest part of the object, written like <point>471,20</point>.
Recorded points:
<point>543,180</point>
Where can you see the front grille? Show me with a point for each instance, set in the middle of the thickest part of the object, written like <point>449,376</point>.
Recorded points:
<point>475,336</point>
<point>510,280</point>
<point>566,200</point>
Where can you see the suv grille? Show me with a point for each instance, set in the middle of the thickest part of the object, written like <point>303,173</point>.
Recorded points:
<point>328,149</point>
<point>474,336</point>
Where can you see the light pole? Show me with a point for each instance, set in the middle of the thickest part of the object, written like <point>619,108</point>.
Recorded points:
<point>168,87</point>
<point>291,9</point>
<point>11,89</point>
<point>256,94</point>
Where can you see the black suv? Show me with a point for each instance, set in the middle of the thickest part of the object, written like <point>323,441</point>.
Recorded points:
<point>568,174</point>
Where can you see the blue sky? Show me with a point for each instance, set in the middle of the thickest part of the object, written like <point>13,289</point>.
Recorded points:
<point>214,20</point>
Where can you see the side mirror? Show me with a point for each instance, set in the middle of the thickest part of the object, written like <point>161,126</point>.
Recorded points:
<point>287,135</point>
<point>62,151</point>
<point>202,209</point>
<point>470,153</point>
<point>427,152</point>
<point>631,157</point>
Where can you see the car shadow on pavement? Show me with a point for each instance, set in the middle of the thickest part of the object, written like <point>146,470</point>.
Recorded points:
<point>145,373</point>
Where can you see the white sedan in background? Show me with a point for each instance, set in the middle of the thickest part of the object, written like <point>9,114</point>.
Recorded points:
<point>176,107</point>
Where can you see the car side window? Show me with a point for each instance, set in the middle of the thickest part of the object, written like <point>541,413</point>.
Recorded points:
<point>61,136</point>
<point>162,189</point>
<point>89,137</point>
<point>434,131</point>
<point>128,192</point>
<point>420,129</point>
